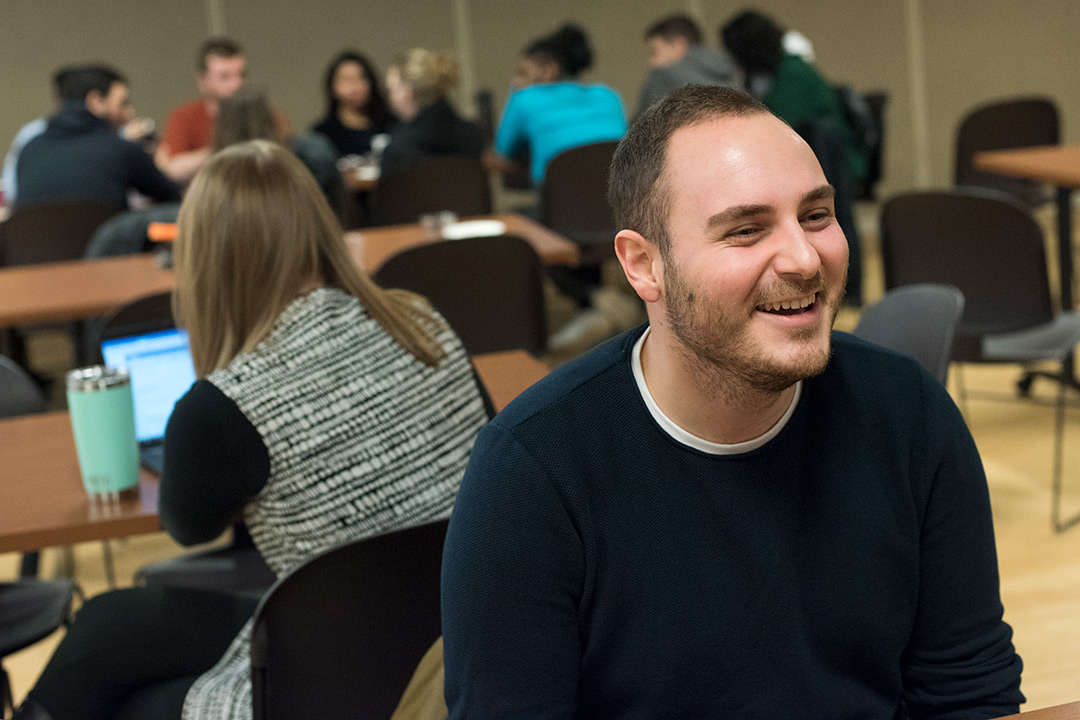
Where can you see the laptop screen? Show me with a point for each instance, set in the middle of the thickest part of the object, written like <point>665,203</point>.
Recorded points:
<point>159,364</point>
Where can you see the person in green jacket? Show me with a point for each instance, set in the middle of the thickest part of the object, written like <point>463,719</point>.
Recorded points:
<point>793,90</point>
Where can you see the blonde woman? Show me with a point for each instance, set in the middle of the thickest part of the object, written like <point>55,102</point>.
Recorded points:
<point>417,84</point>
<point>327,409</point>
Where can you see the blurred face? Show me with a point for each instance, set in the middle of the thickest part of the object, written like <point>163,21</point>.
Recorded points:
<point>530,72</point>
<point>114,106</point>
<point>400,94</point>
<point>223,76</point>
<point>755,271</point>
<point>663,52</point>
<point>351,85</point>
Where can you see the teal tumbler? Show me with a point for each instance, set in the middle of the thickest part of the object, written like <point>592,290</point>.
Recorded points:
<point>103,422</point>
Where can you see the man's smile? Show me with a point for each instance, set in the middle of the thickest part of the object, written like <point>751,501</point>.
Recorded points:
<point>794,306</point>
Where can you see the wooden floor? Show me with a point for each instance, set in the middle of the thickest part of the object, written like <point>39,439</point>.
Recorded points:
<point>1040,571</point>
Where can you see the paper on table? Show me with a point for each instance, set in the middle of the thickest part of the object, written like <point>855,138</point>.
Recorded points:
<point>473,228</point>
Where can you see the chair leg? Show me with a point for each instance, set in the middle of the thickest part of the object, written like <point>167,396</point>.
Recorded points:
<point>110,567</point>
<point>7,702</point>
<point>1060,525</point>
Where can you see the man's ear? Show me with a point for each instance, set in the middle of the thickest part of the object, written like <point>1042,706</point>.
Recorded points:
<point>642,264</point>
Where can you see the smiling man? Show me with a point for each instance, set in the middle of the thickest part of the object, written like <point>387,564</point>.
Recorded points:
<point>732,512</point>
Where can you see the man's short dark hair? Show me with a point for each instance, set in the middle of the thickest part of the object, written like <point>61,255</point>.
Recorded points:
<point>673,27</point>
<point>640,201</point>
<point>74,83</point>
<point>219,47</point>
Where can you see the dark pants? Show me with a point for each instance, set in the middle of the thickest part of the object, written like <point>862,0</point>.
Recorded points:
<point>134,653</point>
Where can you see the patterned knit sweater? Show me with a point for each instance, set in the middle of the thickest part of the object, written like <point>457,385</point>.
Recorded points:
<point>361,437</point>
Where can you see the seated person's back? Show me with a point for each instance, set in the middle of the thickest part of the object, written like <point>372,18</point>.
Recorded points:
<point>418,83</point>
<point>80,155</point>
<point>552,111</point>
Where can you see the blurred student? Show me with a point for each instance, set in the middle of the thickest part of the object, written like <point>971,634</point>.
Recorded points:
<point>221,69</point>
<point>311,378</point>
<point>356,109</point>
<point>80,154</point>
<point>677,57</point>
<point>551,110</point>
<point>418,83</point>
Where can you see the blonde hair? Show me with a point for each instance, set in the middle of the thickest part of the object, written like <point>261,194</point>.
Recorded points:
<point>431,75</point>
<point>244,115</point>
<point>254,233</point>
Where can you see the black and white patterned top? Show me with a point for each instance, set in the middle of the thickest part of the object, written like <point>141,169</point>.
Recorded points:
<point>361,436</point>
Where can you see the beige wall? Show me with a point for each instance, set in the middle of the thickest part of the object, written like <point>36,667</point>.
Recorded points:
<point>973,51</point>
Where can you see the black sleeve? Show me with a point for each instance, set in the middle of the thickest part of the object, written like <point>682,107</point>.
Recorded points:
<point>215,462</point>
<point>145,177</point>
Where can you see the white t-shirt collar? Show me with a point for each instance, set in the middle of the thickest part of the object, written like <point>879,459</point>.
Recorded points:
<point>691,440</point>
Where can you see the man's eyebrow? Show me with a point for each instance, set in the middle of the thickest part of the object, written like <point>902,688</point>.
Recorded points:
<point>736,212</point>
<point>825,192</point>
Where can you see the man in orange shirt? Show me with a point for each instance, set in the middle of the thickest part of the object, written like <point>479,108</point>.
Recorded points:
<point>189,131</point>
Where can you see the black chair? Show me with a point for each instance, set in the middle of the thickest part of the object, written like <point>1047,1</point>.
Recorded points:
<point>20,395</point>
<point>46,233</point>
<point>457,183</point>
<point>50,232</point>
<point>573,202</point>
<point>489,289</point>
<point>573,198</point>
<point>340,636</point>
<point>236,568</point>
<point>1013,123</point>
<point>125,234</point>
<point>917,320</point>
<point>988,245</point>
<point>30,610</point>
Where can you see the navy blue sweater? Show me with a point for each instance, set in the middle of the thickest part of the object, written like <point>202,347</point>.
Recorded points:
<point>597,568</point>
<point>80,157</point>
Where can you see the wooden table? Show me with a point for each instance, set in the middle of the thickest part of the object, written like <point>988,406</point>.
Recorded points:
<point>370,248</point>
<point>42,501</point>
<point>64,291</point>
<point>1057,165</point>
<point>1070,711</point>
<point>61,292</point>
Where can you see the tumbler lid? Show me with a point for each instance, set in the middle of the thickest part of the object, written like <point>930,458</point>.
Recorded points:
<point>96,377</point>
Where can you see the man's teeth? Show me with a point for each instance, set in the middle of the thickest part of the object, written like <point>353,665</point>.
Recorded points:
<point>798,304</point>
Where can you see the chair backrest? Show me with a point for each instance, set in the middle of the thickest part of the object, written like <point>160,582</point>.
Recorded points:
<point>457,183</point>
<point>50,232</point>
<point>489,289</point>
<point>573,198</point>
<point>340,636</point>
<point>984,242</point>
<point>142,315</point>
<point>1017,122</point>
<point>917,320</point>
<point>19,394</point>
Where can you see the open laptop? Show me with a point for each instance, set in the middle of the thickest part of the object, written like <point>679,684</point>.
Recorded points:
<point>159,364</point>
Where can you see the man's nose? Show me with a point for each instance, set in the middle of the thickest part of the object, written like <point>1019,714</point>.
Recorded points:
<point>796,254</point>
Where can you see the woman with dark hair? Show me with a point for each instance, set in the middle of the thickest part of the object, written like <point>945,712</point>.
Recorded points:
<point>355,108</point>
<point>551,110</point>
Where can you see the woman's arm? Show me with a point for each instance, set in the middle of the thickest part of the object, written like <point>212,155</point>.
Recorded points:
<point>215,462</point>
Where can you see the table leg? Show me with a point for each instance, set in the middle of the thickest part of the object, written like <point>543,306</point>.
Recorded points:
<point>1065,246</point>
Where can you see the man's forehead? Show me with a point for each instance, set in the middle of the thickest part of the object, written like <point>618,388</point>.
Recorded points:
<point>748,159</point>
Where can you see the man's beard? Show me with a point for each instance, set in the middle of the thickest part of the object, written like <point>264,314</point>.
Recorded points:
<point>722,350</point>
